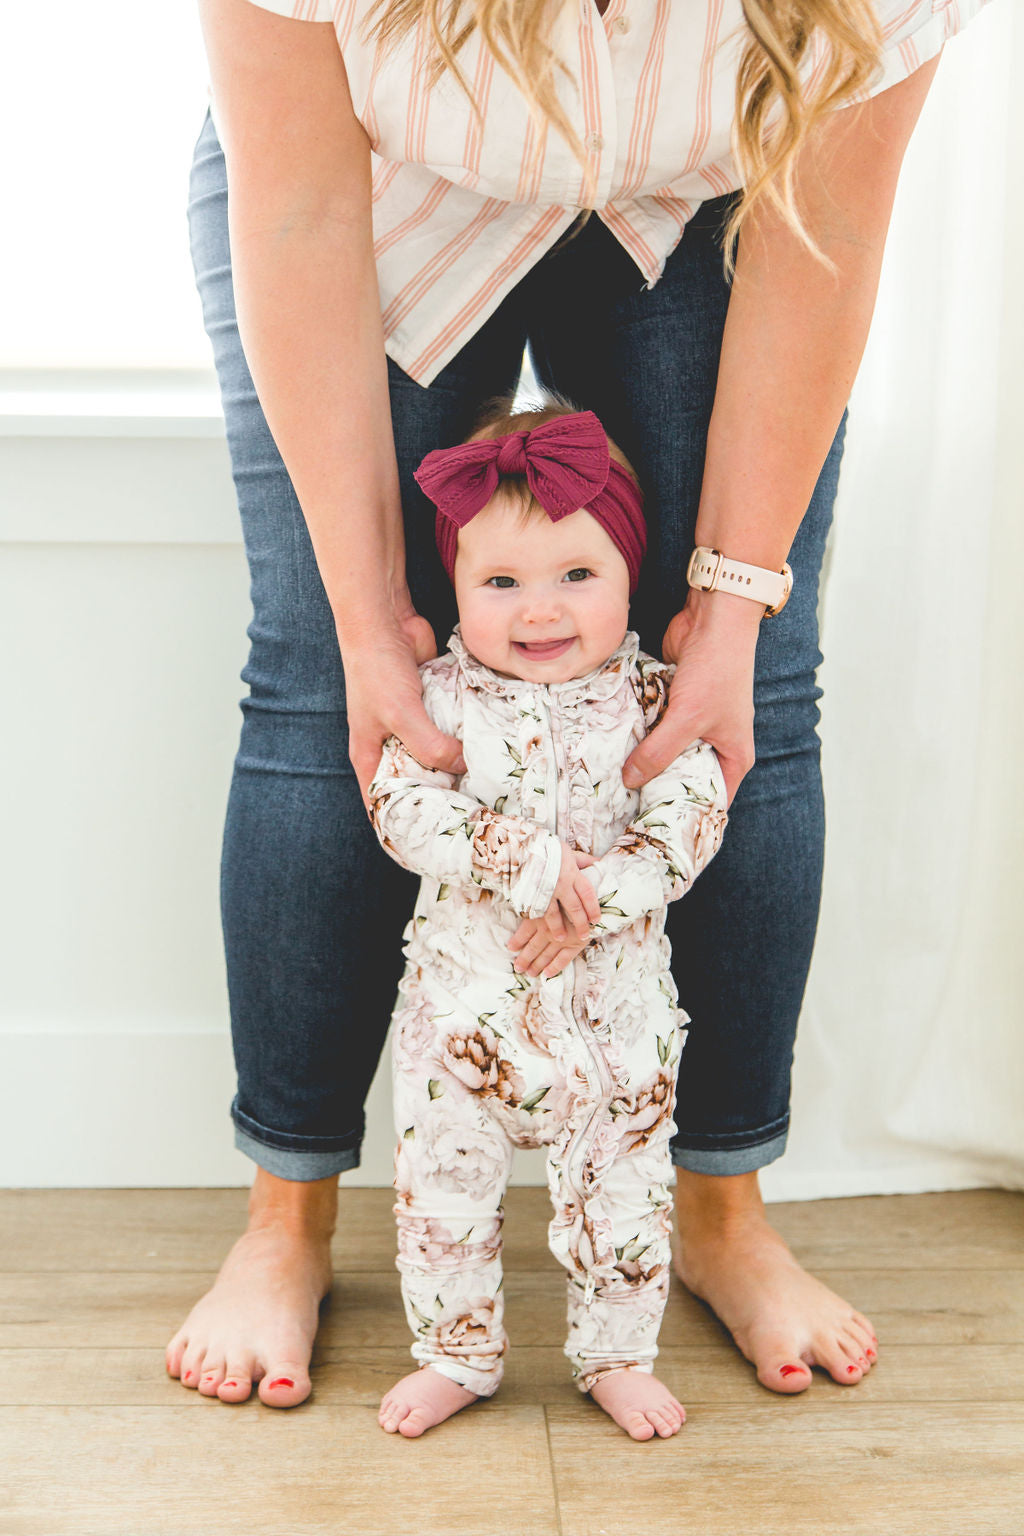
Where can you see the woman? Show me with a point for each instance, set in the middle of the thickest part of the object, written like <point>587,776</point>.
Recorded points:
<point>390,251</point>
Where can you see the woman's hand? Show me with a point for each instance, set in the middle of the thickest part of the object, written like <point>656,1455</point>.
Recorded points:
<point>712,643</point>
<point>385,697</point>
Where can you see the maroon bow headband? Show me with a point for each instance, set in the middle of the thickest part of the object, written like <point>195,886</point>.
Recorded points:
<point>567,466</point>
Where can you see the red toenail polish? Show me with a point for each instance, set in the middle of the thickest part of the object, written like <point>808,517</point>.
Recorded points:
<point>188,1375</point>
<point>231,1383</point>
<point>850,1370</point>
<point>790,1370</point>
<point>282,1381</point>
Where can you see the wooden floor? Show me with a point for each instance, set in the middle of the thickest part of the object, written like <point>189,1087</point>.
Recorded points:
<point>94,1439</point>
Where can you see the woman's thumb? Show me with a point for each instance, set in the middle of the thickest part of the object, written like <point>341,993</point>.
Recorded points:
<point>657,750</point>
<point>432,747</point>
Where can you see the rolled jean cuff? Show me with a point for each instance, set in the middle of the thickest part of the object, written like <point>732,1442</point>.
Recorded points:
<point>715,1157</point>
<point>299,1163</point>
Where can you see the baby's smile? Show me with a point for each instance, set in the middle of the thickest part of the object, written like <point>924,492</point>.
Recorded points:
<point>543,650</point>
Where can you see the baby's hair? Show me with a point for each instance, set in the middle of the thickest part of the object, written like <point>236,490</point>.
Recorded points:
<point>498,417</point>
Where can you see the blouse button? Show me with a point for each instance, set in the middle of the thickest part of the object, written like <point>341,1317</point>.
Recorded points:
<point>621,24</point>
<point>595,141</point>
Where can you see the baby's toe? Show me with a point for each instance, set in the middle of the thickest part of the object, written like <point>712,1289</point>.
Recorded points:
<point>665,1423</point>
<point>415,1422</point>
<point>638,1426</point>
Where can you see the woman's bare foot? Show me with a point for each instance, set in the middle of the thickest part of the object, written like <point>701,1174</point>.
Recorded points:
<point>640,1404</point>
<point>782,1319</point>
<point>258,1323</point>
<point>420,1401</point>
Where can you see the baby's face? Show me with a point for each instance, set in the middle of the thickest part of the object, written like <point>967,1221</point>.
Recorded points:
<point>540,600</point>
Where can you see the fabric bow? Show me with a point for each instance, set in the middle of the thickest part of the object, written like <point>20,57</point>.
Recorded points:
<point>565,461</point>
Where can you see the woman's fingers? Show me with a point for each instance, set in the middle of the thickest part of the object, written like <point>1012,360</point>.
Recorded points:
<point>734,770</point>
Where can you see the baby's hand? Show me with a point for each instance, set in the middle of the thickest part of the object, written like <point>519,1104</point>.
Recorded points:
<point>546,944</point>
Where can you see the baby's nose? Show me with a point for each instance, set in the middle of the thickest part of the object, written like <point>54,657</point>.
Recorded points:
<point>541,607</point>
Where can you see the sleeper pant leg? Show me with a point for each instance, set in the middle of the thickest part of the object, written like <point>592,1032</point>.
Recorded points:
<point>615,1244</point>
<point>618,1327</point>
<point>451,1169</point>
<point>465,1094</point>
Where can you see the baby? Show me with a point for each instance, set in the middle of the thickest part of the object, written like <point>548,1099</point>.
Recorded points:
<point>537,1007</point>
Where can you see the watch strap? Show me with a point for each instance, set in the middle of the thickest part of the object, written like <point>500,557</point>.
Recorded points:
<point>711,571</point>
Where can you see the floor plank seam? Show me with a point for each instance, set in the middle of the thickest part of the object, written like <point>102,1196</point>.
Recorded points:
<point>553,1470</point>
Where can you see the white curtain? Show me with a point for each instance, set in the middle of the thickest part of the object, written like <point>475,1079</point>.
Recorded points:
<point>910,1061</point>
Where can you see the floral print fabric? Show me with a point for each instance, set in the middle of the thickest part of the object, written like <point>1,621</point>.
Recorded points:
<point>584,1063</point>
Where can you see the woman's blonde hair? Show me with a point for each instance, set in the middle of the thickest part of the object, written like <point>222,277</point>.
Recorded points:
<point>775,109</point>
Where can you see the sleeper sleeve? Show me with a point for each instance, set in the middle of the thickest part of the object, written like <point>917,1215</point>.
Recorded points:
<point>428,826</point>
<point>676,833</point>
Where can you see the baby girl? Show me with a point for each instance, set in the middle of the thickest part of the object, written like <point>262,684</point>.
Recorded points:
<point>537,1007</point>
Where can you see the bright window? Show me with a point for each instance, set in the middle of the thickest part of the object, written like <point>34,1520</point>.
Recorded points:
<point>100,106</point>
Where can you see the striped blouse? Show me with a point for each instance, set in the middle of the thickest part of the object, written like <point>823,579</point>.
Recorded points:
<point>461,212</point>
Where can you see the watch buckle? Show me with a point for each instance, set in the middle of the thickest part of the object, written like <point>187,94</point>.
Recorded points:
<point>711,585</point>
<point>787,573</point>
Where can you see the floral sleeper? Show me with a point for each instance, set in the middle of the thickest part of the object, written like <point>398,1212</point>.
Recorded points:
<point>583,1064</point>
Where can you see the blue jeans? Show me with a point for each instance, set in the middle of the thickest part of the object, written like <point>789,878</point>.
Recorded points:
<point>313,910</point>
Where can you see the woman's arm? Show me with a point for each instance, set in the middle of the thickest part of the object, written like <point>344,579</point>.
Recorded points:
<point>794,337</point>
<point>299,186</point>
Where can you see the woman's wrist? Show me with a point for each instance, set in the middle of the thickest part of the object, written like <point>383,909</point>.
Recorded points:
<point>379,608</point>
<point>724,613</point>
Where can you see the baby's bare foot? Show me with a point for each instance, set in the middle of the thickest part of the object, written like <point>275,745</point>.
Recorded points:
<point>782,1318</point>
<point>420,1401</point>
<point>640,1404</point>
<point>258,1322</point>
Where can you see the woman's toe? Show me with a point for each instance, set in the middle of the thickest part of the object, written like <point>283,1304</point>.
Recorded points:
<point>784,1374</point>
<point>210,1377</point>
<point>855,1348</point>
<point>841,1363</point>
<point>285,1386</point>
<point>174,1355</point>
<point>236,1382</point>
<point>191,1365</point>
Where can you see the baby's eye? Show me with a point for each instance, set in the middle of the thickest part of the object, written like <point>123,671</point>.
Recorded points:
<point>579,573</point>
<point>501,581</point>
